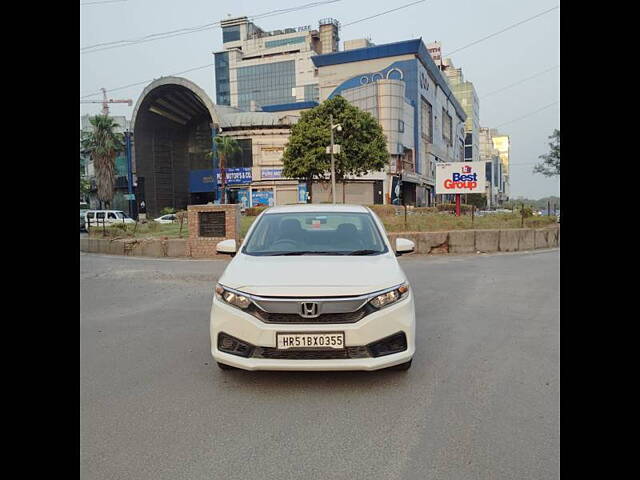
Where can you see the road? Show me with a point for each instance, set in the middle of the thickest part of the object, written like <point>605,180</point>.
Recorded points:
<point>481,400</point>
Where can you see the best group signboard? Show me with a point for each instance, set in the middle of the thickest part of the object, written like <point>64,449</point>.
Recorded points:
<point>460,177</point>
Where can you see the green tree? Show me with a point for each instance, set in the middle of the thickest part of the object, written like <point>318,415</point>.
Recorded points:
<point>362,143</point>
<point>226,148</point>
<point>550,165</point>
<point>102,143</point>
<point>479,200</point>
<point>84,183</point>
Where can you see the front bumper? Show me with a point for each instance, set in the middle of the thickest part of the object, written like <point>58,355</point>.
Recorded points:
<point>399,317</point>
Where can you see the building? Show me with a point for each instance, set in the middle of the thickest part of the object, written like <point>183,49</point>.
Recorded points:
<point>175,163</point>
<point>121,179</point>
<point>494,178</point>
<point>270,68</point>
<point>466,94</point>
<point>503,144</point>
<point>401,86</point>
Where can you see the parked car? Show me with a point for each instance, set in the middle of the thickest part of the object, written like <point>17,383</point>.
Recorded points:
<point>170,218</point>
<point>82,220</point>
<point>96,218</point>
<point>314,287</point>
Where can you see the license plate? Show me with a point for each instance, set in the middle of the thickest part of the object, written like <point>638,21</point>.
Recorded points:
<point>310,340</point>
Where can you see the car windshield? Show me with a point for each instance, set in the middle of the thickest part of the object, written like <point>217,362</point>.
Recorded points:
<point>315,233</point>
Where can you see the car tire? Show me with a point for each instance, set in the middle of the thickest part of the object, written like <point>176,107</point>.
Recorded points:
<point>224,366</point>
<point>403,366</point>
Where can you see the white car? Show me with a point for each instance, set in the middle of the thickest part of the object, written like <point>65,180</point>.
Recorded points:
<point>314,287</point>
<point>98,218</point>
<point>170,218</point>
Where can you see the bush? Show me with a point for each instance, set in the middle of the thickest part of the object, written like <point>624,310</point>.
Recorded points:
<point>451,207</point>
<point>167,211</point>
<point>383,210</point>
<point>423,210</point>
<point>254,211</point>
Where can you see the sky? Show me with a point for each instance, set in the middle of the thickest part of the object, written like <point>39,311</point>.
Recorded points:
<point>492,64</point>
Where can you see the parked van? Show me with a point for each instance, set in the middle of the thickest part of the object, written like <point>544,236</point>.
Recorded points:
<point>96,218</point>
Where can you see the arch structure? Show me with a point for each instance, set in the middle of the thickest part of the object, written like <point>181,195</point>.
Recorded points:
<point>173,123</point>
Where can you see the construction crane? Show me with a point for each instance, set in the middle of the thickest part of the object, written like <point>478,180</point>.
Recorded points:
<point>105,102</point>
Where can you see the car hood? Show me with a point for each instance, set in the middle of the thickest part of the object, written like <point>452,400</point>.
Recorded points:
<point>312,275</point>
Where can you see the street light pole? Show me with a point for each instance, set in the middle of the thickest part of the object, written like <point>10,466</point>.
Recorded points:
<point>333,165</point>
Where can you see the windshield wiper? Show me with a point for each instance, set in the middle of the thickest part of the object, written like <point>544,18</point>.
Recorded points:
<point>304,252</point>
<point>363,252</point>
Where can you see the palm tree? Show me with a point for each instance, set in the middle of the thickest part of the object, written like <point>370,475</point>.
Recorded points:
<point>226,147</point>
<point>102,143</point>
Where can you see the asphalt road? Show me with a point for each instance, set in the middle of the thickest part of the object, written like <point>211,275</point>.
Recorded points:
<point>481,400</point>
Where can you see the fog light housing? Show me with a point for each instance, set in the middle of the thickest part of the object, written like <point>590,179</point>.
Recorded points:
<point>386,346</point>
<point>234,346</point>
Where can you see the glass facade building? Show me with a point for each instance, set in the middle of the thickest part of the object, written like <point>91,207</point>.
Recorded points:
<point>267,84</point>
<point>223,93</point>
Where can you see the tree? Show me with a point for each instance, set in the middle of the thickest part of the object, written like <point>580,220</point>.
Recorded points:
<point>102,143</point>
<point>550,165</point>
<point>85,185</point>
<point>479,200</point>
<point>226,147</point>
<point>363,144</point>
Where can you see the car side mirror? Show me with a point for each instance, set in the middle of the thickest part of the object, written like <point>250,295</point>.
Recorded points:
<point>404,245</point>
<point>226,246</point>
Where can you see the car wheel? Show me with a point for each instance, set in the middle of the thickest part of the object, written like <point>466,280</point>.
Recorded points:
<point>402,366</point>
<point>224,366</point>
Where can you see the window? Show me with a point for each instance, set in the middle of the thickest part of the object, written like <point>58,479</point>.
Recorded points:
<point>223,92</point>
<point>121,215</point>
<point>468,153</point>
<point>100,215</point>
<point>267,84</point>
<point>111,216</point>
<point>447,133</point>
<point>284,41</point>
<point>425,120</point>
<point>230,34</point>
<point>311,93</point>
<point>243,158</point>
<point>90,214</point>
<point>400,126</point>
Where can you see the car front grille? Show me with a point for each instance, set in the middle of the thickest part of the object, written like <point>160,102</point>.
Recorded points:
<point>291,318</point>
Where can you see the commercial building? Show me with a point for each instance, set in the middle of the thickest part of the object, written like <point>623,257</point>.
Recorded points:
<point>270,68</point>
<point>494,178</point>
<point>466,94</point>
<point>402,87</point>
<point>503,144</point>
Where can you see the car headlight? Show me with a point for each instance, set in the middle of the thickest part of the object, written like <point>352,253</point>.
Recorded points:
<point>232,298</point>
<point>390,297</point>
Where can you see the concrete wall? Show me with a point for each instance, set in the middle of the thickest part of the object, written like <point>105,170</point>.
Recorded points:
<point>456,241</point>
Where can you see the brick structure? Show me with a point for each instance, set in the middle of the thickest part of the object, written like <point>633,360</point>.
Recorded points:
<point>205,246</point>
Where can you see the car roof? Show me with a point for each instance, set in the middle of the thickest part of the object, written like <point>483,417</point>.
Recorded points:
<point>316,207</point>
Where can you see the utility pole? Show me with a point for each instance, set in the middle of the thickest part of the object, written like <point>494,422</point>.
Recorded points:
<point>333,164</point>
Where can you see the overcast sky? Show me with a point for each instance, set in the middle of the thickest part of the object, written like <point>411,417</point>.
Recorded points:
<point>492,64</point>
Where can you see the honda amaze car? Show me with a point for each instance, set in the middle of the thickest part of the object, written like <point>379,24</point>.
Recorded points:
<point>314,287</point>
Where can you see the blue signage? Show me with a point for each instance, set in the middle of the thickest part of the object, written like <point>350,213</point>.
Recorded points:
<point>202,180</point>
<point>271,173</point>
<point>262,198</point>
<point>302,193</point>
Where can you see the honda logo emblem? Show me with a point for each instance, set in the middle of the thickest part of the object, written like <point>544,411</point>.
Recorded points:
<point>308,309</point>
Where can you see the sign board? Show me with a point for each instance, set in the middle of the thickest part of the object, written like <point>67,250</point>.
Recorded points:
<point>302,193</point>
<point>271,173</point>
<point>212,224</point>
<point>262,198</point>
<point>460,177</point>
<point>336,149</point>
<point>129,196</point>
<point>202,180</point>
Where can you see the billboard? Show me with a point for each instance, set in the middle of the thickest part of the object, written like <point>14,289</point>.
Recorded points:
<point>460,177</point>
<point>202,180</point>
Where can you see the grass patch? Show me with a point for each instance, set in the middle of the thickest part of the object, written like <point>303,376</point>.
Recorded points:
<point>426,222</point>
